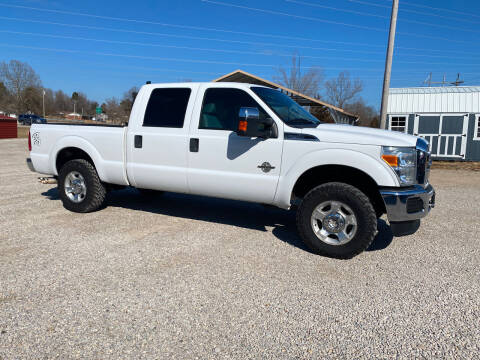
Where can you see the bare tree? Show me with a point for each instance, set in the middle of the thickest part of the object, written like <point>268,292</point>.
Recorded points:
<point>307,83</point>
<point>128,99</point>
<point>5,99</point>
<point>17,77</point>
<point>342,90</point>
<point>367,115</point>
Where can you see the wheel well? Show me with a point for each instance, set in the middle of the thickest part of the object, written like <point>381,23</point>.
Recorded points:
<point>71,153</point>
<point>340,173</point>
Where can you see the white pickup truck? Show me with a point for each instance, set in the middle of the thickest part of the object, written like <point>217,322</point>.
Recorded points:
<point>246,142</point>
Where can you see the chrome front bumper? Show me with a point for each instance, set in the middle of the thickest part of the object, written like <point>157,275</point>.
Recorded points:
<point>408,204</point>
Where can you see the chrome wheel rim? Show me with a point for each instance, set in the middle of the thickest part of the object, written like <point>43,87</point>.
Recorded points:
<point>75,187</point>
<point>334,223</point>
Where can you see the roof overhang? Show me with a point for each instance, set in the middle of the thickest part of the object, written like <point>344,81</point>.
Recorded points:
<point>302,99</point>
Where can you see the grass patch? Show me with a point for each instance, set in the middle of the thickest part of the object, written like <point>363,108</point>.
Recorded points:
<point>456,165</point>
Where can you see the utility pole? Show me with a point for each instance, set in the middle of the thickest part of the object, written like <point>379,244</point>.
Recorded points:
<point>43,103</point>
<point>388,65</point>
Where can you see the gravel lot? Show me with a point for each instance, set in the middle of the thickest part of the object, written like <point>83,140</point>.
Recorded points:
<point>192,277</point>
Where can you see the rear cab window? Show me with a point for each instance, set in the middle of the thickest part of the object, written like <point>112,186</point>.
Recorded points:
<point>167,107</point>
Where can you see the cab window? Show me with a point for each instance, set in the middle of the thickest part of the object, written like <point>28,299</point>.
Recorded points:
<point>167,107</point>
<point>221,107</point>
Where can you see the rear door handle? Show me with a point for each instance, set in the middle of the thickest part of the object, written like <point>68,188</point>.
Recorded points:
<point>194,144</point>
<point>138,141</point>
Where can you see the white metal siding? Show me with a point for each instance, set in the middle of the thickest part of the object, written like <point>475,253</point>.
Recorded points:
<point>434,100</point>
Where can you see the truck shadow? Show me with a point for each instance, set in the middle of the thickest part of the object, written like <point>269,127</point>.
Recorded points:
<point>223,211</point>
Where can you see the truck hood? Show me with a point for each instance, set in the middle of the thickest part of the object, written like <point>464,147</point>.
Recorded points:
<point>348,134</point>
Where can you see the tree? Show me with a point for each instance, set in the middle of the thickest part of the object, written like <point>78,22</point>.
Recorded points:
<point>128,99</point>
<point>5,99</point>
<point>74,99</point>
<point>367,115</point>
<point>32,100</point>
<point>17,77</point>
<point>342,90</point>
<point>307,83</point>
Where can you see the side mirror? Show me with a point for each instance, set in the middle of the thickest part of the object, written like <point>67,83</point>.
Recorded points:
<point>250,125</point>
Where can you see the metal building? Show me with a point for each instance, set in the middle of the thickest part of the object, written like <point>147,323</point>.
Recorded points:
<point>448,117</point>
<point>8,127</point>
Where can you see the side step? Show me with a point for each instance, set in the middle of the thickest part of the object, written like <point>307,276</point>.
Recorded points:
<point>47,180</point>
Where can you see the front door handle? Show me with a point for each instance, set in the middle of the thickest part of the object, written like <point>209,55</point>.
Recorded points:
<point>194,144</point>
<point>138,140</point>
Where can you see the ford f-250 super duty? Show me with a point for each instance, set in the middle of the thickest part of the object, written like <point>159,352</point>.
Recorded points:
<point>251,143</point>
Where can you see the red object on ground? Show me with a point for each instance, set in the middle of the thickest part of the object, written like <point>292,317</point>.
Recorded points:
<point>8,127</point>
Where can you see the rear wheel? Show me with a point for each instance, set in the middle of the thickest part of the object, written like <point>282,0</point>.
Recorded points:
<point>336,220</point>
<point>80,187</point>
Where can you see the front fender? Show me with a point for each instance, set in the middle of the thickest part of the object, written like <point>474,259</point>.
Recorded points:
<point>82,144</point>
<point>374,167</point>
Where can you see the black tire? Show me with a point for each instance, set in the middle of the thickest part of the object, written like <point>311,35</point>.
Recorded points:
<point>360,205</point>
<point>95,190</point>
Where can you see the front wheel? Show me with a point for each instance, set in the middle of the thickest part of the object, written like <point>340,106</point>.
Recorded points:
<point>80,187</point>
<point>336,220</point>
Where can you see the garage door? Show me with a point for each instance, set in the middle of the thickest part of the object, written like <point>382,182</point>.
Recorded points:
<point>445,133</point>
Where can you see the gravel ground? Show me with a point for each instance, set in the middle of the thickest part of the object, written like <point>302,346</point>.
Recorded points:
<point>192,277</point>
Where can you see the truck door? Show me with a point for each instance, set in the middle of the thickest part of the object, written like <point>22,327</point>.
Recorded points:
<point>157,138</point>
<point>223,164</point>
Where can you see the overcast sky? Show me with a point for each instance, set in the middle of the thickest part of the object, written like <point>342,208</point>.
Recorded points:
<point>103,48</point>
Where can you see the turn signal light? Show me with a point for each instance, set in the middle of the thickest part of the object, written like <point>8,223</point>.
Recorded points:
<point>242,125</point>
<point>391,160</point>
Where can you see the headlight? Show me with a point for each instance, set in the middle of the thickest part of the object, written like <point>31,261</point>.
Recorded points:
<point>403,161</point>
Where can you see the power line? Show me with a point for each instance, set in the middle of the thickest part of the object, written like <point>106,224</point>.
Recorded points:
<point>197,28</point>
<point>379,16</point>
<point>202,61</point>
<point>188,26</point>
<point>336,9</point>
<point>182,36</point>
<point>206,49</point>
<point>167,58</point>
<point>413,11</point>
<point>440,9</point>
<point>330,21</point>
<point>179,47</point>
<point>273,12</point>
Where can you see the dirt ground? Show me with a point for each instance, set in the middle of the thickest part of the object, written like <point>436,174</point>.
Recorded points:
<point>185,277</point>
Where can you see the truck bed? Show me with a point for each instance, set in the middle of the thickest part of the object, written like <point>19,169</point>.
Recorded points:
<point>103,143</point>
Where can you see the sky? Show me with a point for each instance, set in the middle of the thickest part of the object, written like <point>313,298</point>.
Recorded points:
<point>103,48</point>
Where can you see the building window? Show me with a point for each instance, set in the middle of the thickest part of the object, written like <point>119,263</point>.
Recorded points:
<point>476,134</point>
<point>398,123</point>
<point>167,107</point>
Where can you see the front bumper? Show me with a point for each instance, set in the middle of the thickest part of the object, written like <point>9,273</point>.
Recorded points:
<point>30,164</point>
<point>408,204</point>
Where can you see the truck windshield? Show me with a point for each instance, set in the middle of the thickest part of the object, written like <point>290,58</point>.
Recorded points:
<point>288,110</point>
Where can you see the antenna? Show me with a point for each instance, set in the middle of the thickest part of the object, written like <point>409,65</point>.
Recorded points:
<point>457,81</point>
<point>444,81</point>
<point>428,80</point>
